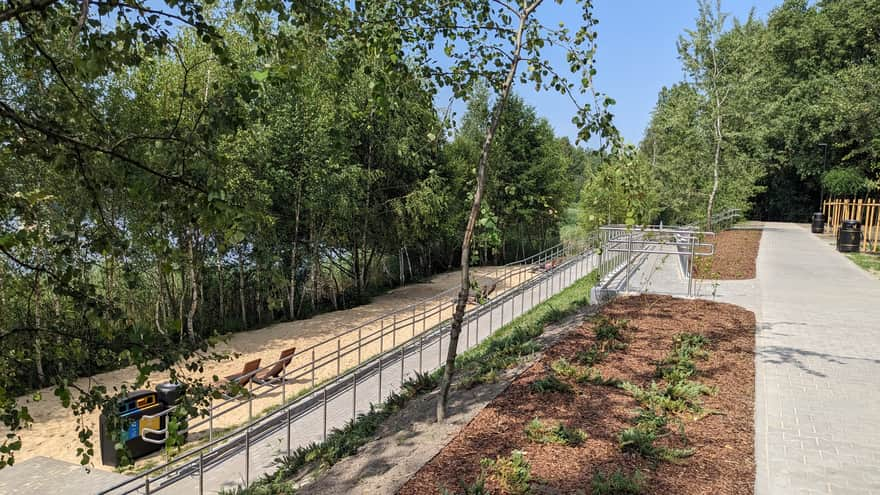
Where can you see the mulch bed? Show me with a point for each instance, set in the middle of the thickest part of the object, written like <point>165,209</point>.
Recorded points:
<point>723,462</point>
<point>735,255</point>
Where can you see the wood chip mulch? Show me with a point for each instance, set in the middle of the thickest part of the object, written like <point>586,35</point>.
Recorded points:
<point>736,252</point>
<point>723,462</point>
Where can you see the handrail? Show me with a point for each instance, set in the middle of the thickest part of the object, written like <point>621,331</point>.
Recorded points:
<point>319,362</point>
<point>260,425</point>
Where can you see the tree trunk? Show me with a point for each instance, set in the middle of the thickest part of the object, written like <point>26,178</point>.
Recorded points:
<point>193,285</point>
<point>291,295</point>
<point>401,267</point>
<point>716,74</point>
<point>220,290</point>
<point>38,346</point>
<point>241,297</point>
<point>258,294</point>
<point>458,315</point>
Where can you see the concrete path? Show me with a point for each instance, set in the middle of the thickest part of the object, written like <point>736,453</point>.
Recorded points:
<point>39,475</point>
<point>817,395</point>
<point>818,369</point>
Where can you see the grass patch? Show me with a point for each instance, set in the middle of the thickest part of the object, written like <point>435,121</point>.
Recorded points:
<point>558,434</point>
<point>618,483</point>
<point>868,262</point>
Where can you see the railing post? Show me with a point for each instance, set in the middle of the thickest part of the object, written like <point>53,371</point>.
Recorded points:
<point>379,401</point>
<point>283,383</point>
<point>628,260</point>
<point>360,330</point>
<point>211,423</point>
<point>201,473</point>
<point>421,349</point>
<point>325,413</point>
<point>338,357</point>
<point>491,310</point>
<point>413,322</point>
<point>147,485</point>
<point>250,400</point>
<point>439,347</point>
<point>313,368</point>
<point>288,431</point>
<point>402,354</point>
<point>247,456</point>
<point>354,395</point>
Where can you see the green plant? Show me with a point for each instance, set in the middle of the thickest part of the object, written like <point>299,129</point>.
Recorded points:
<point>563,368</point>
<point>592,356</point>
<point>595,377</point>
<point>639,440</point>
<point>559,433</point>
<point>551,384</point>
<point>608,330</point>
<point>513,473</point>
<point>618,483</point>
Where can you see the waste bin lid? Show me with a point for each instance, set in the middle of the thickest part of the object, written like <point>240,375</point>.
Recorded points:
<point>852,224</point>
<point>167,387</point>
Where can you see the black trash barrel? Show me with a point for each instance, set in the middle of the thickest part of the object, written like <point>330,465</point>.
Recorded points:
<point>132,410</point>
<point>818,222</point>
<point>170,393</point>
<point>849,236</point>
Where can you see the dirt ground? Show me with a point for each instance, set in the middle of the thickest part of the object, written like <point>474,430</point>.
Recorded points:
<point>412,436</point>
<point>723,460</point>
<point>53,433</point>
<point>736,252</point>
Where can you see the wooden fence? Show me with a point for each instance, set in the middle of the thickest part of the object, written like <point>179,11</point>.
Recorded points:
<point>866,211</point>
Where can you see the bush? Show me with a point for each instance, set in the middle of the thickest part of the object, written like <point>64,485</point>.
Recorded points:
<point>618,483</point>
<point>551,384</point>
<point>559,433</point>
<point>513,473</point>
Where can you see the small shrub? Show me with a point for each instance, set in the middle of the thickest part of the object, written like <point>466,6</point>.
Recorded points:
<point>513,473</point>
<point>559,433</point>
<point>618,483</point>
<point>422,382</point>
<point>551,384</point>
<point>563,368</point>
<point>608,332</point>
<point>595,377</point>
<point>592,356</point>
<point>639,440</point>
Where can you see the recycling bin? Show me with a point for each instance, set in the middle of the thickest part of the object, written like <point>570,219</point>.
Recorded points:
<point>132,411</point>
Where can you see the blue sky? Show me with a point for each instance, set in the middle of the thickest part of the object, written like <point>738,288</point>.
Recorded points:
<point>636,56</point>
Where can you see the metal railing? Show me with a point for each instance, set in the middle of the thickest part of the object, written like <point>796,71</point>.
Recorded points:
<point>561,265</point>
<point>629,242</point>
<point>726,218</point>
<point>329,357</point>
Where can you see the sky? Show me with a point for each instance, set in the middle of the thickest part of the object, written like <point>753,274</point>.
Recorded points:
<point>636,56</point>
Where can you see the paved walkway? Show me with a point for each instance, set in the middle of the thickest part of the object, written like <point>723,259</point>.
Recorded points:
<point>817,395</point>
<point>818,369</point>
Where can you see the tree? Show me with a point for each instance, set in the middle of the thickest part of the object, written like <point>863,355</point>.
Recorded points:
<point>504,35</point>
<point>702,61</point>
